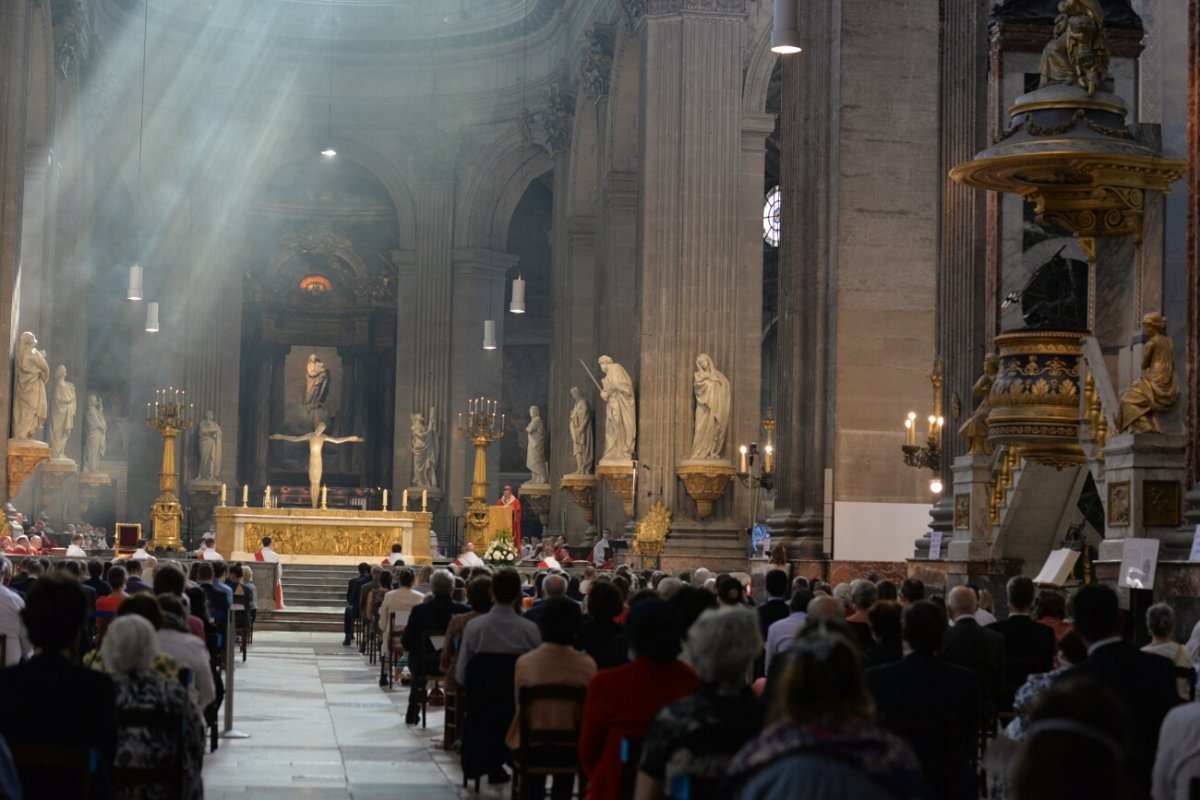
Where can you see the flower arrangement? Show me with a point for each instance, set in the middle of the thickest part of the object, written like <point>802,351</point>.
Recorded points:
<point>502,551</point>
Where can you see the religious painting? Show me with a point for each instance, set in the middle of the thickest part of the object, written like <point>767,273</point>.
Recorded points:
<point>1160,504</point>
<point>962,512</point>
<point>1118,504</point>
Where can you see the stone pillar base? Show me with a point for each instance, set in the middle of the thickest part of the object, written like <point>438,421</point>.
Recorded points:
<point>1143,477</point>
<point>433,498</point>
<point>972,498</point>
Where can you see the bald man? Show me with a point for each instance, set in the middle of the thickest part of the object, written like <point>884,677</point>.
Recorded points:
<point>968,644</point>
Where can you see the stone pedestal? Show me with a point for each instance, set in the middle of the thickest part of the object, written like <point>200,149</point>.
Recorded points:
<point>54,475</point>
<point>536,497</point>
<point>432,498</point>
<point>23,457</point>
<point>90,485</point>
<point>203,498</point>
<point>705,482</point>
<point>583,494</point>
<point>1143,477</point>
<point>619,477</point>
<point>972,495</point>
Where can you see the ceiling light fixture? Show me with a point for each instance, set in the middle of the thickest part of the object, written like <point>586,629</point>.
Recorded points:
<point>151,317</point>
<point>328,150</point>
<point>489,334</point>
<point>517,304</point>
<point>785,38</point>
<point>134,291</point>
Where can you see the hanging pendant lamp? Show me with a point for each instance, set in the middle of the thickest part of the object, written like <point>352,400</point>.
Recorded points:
<point>151,317</point>
<point>489,334</point>
<point>517,304</point>
<point>785,38</point>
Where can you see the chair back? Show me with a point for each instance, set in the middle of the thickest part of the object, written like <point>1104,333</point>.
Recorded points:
<point>163,726</point>
<point>1185,676</point>
<point>631,756</point>
<point>400,620</point>
<point>490,709</point>
<point>55,770</point>
<point>426,660</point>
<point>535,737</point>
<point>933,737</point>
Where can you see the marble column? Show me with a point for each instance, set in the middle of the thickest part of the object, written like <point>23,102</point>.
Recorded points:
<point>699,293</point>
<point>477,295</point>
<point>15,18</point>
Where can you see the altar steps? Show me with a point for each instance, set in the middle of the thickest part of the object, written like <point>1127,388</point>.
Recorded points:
<point>316,585</point>
<point>305,620</point>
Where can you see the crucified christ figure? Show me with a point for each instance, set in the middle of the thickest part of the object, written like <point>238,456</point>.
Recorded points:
<point>316,440</point>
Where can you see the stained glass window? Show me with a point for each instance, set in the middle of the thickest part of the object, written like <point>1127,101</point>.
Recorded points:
<point>771,218</point>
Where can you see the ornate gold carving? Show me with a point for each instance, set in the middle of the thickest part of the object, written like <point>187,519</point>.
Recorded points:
<point>1078,53</point>
<point>333,540</point>
<point>651,532</point>
<point>1156,390</point>
<point>705,483</point>
<point>975,429</point>
<point>23,458</point>
<point>1160,504</point>
<point>620,482</point>
<point>583,494</point>
<point>1035,399</point>
<point>962,512</point>
<point>1118,504</point>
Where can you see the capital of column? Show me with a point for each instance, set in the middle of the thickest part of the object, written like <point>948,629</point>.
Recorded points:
<point>481,264</point>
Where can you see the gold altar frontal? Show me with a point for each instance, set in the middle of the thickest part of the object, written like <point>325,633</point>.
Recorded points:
<point>324,535</point>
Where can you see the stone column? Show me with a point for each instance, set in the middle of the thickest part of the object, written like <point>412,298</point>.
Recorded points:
<point>805,150</point>
<point>14,100</point>
<point>699,294</point>
<point>477,295</point>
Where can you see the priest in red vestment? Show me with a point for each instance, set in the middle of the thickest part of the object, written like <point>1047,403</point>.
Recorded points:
<point>509,499</point>
<point>268,555</point>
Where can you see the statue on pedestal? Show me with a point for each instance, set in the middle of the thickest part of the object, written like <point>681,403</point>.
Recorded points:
<point>208,439</point>
<point>316,382</point>
<point>975,429</point>
<point>425,450</point>
<point>581,433</point>
<point>62,414</point>
<point>1078,54</point>
<point>714,400</point>
<point>95,434</point>
<point>535,451</point>
<point>30,374</point>
<point>620,426</point>
<point>1157,389</point>
<point>316,440</point>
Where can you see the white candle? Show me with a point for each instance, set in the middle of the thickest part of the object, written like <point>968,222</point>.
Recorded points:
<point>245,494</point>
<point>743,451</point>
<point>404,501</point>
<point>223,487</point>
<point>424,499</point>
<point>267,496</point>
<point>324,496</point>
<point>385,499</point>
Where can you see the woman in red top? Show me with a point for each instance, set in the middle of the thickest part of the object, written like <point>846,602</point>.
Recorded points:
<point>621,701</point>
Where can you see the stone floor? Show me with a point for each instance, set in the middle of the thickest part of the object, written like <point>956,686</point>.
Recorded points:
<point>321,728</point>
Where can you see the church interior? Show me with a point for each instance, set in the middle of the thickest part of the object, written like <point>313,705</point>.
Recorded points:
<point>837,289</point>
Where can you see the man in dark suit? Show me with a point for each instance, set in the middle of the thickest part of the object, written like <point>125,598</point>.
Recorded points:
<point>430,618</point>
<point>55,689</point>
<point>134,582</point>
<point>96,578</point>
<point>1145,682</point>
<point>1028,645</point>
<point>552,586</point>
<point>920,695</point>
<point>351,613</point>
<point>968,644</point>
<point>776,607</point>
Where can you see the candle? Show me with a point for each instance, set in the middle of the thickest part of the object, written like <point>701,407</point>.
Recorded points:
<point>404,501</point>
<point>222,495</point>
<point>768,462</point>
<point>910,429</point>
<point>267,496</point>
<point>245,495</point>
<point>324,496</point>
<point>385,499</point>
<point>424,499</point>
<point>743,451</point>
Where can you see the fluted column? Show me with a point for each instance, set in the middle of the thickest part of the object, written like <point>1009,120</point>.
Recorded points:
<point>698,293</point>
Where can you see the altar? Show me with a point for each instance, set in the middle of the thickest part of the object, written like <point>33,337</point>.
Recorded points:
<point>333,535</point>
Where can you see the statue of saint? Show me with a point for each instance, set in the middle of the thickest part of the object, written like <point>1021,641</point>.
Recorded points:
<point>620,423</point>
<point>208,439</point>
<point>535,451</point>
<point>95,434</point>
<point>1157,389</point>
<point>713,402</point>
<point>316,440</point>
<point>581,433</point>
<point>1078,53</point>
<point>316,382</point>
<point>424,450</point>
<point>62,414</point>
<point>30,374</point>
<point>975,429</point>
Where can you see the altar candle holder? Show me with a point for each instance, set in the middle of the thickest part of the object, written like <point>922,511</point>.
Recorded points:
<point>170,415</point>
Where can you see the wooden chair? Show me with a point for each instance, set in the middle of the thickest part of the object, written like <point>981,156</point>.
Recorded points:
<point>165,726</point>
<point>241,624</point>
<point>490,709</point>
<point>631,756</point>
<point>934,739</point>
<point>48,770</point>
<point>1185,674</point>
<point>390,649</point>
<point>547,752</point>
<point>426,664</point>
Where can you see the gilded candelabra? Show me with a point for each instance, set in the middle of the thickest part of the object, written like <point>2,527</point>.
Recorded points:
<point>480,429</point>
<point>170,416</point>
<point>929,455</point>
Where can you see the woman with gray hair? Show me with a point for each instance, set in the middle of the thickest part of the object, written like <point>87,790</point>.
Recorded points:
<point>128,650</point>
<point>692,740</point>
<point>1160,621</point>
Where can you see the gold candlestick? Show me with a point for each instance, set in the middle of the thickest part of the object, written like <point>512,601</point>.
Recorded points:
<point>170,416</point>
<point>480,429</point>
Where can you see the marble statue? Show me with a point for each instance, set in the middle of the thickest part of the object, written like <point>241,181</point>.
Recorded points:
<point>62,414</point>
<point>95,434</point>
<point>30,374</point>
<point>1078,54</point>
<point>316,382</point>
<point>1157,390</point>
<point>425,450</point>
<point>535,451</point>
<point>714,400</point>
<point>208,440</point>
<point>581,433</point>
<point>975,429</point>
<point>620,422</point>
<point>316,440</point>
